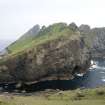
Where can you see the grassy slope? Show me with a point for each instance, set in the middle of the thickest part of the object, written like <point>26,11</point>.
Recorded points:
<point>50,33</point>
<point>19,44</point>
<point>75,97</point>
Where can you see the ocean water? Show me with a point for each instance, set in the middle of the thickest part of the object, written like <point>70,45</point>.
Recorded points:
<point>95,77</point>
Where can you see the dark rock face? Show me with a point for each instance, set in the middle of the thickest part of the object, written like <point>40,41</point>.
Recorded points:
<point>84,28</point>
<point>99,42</point>
<point>95,39</point>
<point>59,59</point>
<point>73,26</point>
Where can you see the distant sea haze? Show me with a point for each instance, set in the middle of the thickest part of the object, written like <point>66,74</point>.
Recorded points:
<point>4,43</point>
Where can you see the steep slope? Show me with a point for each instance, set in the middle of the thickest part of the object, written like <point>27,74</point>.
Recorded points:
<point>85,31</point>
<point>25,39</point>
<point>95,39</point>
<point>57,53</point>
<point>98,49</point>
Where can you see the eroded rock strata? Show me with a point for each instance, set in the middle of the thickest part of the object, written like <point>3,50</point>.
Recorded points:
<point>95,40</point>
<point>58,59</point>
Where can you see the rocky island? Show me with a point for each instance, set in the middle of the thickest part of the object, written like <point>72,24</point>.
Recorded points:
<point>56,52</point>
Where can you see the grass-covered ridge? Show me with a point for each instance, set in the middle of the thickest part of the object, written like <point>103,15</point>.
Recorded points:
<point>46,34</point>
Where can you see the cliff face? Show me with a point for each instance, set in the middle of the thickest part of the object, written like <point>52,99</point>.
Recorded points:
<point>98,49</point>
<point>57,59</point>
<point>95,39</point>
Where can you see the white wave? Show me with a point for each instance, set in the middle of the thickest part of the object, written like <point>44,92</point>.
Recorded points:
<point>103,80</point>
<point>94,65</point>
<point>80,74</point>
<point>92,62</point>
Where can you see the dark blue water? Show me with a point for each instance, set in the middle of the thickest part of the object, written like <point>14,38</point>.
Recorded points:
<point>94,77</point>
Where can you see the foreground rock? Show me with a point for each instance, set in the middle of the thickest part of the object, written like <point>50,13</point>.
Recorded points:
<point>57,59</point>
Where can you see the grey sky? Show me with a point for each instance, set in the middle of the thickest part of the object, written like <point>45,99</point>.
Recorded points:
<point>17,16</point>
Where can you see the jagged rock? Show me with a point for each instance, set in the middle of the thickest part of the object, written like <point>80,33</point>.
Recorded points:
<point>84,28</point>
<point>95,39</point>
<point>73,26</point>
<point>98,49</point>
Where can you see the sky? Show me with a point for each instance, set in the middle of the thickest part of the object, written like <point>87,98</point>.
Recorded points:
<point>18,16</point>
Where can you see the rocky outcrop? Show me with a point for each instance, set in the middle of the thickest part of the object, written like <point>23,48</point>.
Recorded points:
<point>98,49</point>
<point>57,59</point>
<point>73,26</point>
<point>84,28</point>
<point>95,39</point>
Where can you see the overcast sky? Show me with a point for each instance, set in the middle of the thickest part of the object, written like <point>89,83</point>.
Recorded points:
<point>17,16</point>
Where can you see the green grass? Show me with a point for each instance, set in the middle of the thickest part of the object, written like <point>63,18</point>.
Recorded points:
<point>75,97</point>
<point>19,44</point>
<point>50,33</point>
